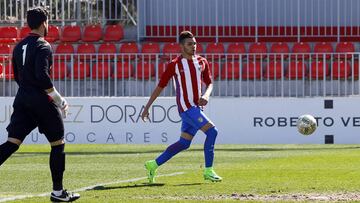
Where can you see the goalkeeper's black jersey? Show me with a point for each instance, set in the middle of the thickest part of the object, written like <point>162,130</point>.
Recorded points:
<point>32,60</point>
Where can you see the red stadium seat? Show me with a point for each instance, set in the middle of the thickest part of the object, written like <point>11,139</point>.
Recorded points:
<point>321,48</point>
<point>278,49</point>
<point>251,70</point>
<point>113,33</point>
<point>345,47</point>
<point>24,31</point>
<point>318,69</point>
<point>64,51</point>
<point>80,70</point>
<point>341,70</point>
<point>144,70</point>
<point>59,70</point>
<point>215,51</point>
<point>128,51</point>
<point>107,51</point>
<point>124,70</point>
<point>258,50</point>
<point>86,51</point>
<point>230,71</point>
<point>101,70</point>
<point>150,50</point>
<point>199,48</point>
<point>234,50</point>
<point>300,51</point>
<point>71,33</point>
<point>53,34</point>
<point>273,70</point>
<point>214,69</point>
<point>5,52</point>
<point>6,71</point>
<point>161,69</point>
<point>92,33</point>
<point>8,34</point>
<point>296,70</point>
<point>171,50</point>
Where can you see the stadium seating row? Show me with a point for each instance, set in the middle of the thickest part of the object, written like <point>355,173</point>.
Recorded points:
<point>248,33</point>
<point>211,48</point>
<point>231,70</point>
<point>214,51</point>
<point>91,33</point>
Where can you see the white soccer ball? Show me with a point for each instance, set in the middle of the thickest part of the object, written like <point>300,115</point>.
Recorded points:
<point>306,124</point>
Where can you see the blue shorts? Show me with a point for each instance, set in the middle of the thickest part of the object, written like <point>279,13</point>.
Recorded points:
<point>192,120</point>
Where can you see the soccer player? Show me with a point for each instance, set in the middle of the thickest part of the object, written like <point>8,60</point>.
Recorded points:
<point>37,102</point>
<point>188,71</point>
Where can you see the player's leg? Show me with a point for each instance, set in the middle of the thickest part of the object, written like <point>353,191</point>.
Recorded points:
<point>51,124</point>
<point>211,133</point>
<point>182,144</point>
<point>8,148</point>
<point>21,124</point>
<point>57,168</point>
<point>199,120</point>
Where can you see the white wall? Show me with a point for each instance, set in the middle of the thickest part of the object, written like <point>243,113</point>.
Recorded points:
<point>239,120</point>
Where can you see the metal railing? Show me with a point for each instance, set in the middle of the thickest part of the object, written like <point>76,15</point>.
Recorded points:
<point>251,20</point>
<point>242,75</point>
<point>72,11</point>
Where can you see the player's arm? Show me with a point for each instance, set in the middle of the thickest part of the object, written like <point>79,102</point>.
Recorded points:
<point>154,95</point>
<point>42,65</point>
<point>206,77</point>
<point>169,72</point>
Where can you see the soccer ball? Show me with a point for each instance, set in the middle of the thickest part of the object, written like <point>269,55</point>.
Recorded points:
<point>306,124</point>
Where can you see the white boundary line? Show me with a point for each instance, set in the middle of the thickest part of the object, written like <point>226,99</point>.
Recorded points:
<point>18,197</point>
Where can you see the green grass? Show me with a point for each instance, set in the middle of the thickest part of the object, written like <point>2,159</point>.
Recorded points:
<point>258,170</point>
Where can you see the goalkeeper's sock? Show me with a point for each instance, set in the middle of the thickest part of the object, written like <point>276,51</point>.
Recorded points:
<point>6,150</point>
<point>57,166</point>
<point>209,146</point>
<point>172,150</point>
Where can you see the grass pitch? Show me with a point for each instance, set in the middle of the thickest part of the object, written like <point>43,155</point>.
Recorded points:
<point>251,173</point>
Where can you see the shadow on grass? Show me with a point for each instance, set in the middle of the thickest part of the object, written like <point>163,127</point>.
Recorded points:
<point>189,184</point>
<point>127,186</point>
<point>218,149</point>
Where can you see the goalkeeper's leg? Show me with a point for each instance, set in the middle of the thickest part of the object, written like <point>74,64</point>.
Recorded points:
<point>8,148</point>
<point>57,168</point>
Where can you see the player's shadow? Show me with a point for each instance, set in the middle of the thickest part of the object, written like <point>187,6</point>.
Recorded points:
<point>127,186</point>
<point>189,184</point>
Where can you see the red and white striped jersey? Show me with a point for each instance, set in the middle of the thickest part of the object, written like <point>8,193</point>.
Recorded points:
<point>188,75</point>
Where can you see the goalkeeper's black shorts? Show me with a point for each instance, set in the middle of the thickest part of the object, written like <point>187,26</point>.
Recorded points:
<point>35,109</point>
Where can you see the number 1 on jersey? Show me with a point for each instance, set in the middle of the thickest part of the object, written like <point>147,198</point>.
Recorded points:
<point>24,53</point>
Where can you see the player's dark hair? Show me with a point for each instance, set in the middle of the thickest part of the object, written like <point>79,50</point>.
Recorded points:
<point>184,35</point>
<point>36,16</point>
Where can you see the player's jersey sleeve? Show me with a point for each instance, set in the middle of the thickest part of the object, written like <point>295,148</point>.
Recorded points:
<point>206,74</point>
<point>43,62</point>
<point>15,70</point>
<point>166,76</point>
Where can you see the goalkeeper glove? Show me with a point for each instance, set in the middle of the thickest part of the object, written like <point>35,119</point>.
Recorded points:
<point>60,102</point>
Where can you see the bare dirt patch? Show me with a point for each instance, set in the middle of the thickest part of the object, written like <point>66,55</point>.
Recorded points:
<point>335,197</point>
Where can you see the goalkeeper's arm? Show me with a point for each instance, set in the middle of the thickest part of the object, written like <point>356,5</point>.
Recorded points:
<point>58,100</point>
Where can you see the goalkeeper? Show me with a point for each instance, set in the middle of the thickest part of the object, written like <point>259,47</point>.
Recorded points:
<point>37,103</point>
